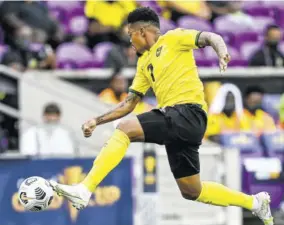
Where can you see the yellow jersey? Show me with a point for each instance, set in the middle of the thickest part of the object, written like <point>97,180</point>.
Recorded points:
<point>169,68</point>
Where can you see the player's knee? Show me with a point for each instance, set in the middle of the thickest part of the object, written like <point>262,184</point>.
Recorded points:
<point>131,129</point>
<point>124,126</point>
<point>190,195</point>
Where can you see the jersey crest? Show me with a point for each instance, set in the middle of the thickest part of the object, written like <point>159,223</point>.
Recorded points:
<point>159,50</point>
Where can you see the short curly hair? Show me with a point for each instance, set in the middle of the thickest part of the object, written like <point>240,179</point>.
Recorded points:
<point>144,14</point>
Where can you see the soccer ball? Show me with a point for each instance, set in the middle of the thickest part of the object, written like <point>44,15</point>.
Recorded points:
<point>35,194</point>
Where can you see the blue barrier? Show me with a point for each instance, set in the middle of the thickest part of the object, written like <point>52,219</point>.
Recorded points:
<point>111,204</point>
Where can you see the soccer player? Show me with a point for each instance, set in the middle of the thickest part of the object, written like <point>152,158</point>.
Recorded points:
<point>167,65</point>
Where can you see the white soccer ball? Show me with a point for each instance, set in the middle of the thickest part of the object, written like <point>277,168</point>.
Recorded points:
<point>35,194</point>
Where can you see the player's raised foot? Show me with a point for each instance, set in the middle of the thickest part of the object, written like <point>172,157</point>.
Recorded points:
<point>78,194</point>
<point>263,212</point>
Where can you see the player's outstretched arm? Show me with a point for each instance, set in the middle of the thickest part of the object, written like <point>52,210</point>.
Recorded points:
<point>121,110</point>
<point>218,44</point>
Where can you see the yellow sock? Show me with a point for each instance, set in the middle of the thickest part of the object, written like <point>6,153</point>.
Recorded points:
<point>109,157</point>
<point>217,194</point>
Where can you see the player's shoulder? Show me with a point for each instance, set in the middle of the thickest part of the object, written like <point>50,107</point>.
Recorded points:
<point>176,32</point>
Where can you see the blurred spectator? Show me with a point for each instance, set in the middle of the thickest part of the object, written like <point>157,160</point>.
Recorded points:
<point>28,21</point>
<point>37,56</point>
<point>269,54</point>
<point>122,54</point>
<point>226,121</point>
<point>13,60</point>
<point>232,11</point>
<point>175,9</point>
<point>49,138</point>
<point>222,8</point>
<point>256,120</point>
<point>117,92</point>
<point>106,17</point>
<point>281,112</point>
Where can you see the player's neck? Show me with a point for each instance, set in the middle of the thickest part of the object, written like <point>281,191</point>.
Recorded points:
<point>154,40</point>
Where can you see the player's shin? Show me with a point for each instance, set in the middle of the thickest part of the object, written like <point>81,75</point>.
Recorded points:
<point>109,157</point>
<point>217,194</point>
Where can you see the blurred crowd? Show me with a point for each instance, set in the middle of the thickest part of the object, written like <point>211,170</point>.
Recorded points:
<point>84,34</point>
<point>47,35</point>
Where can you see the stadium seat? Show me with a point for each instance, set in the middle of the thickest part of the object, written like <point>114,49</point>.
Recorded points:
<point>249,48</point>
<point>281,47</point>
<point>260,11</point>
<point>58,14</point>
<point>205,63</point>
<point>65,5</point>
<point>224,24</point>
<point>3,49</point>
<point>276,4</point>
<point>249,36</point>
<point>100,52</point>
<point>189,22</point>
<point>273,144</point>
<point>166,25</point>
<point>262,22</point>
<point>211,54</point>
<point>247,143</point>
<point>152,4</point>
<point>74,54</point>
<point>78,25</point>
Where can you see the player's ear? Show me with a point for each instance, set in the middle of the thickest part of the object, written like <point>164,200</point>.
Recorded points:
<point>142,31</point>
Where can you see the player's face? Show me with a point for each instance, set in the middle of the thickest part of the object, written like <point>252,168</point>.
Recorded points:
<point>137,38</point>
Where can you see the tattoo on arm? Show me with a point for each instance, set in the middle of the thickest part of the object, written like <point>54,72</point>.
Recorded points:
<point>121,110</point>
<point>213,40</point>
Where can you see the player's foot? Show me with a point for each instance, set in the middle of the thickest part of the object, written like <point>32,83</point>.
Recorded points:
<point>263,212</point>
<point>78,194</point>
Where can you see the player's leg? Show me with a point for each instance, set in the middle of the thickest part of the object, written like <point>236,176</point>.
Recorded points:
<point>113,152</point>
<point>217,194</point>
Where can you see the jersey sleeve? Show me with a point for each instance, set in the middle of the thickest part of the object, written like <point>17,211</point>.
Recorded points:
<point>140,84</point>
<point>188,38</point>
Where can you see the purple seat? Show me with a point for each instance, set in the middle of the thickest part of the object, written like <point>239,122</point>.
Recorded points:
<point>3,50</point>
<point>100,52</point>
<point>189,22</point>
<point>250,4</point>
<point>273,144</point>
<point>166,25</point>
<point>281,47</point>
<point>152,4</point>
<point>204,63</point>
<point>199,54</point>
<point>238,63</point>
<point>65,5</point>
<point>276,4</point>
<point>262,22</point>
<point>78,25</point>
<point>244,37</point>
<point>74,54</point>
<point>260,11</point>
<point>58,14</point>
<point>212,55</point>
<point>270,104</point>
<point>226,24</point>
<point>249,48</point>
<point>247,143</point>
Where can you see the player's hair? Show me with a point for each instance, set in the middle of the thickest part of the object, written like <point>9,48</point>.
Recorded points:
<point>52,108</point>
<point>253,89</point>
<point>271,27</point>
<point>144,14</point>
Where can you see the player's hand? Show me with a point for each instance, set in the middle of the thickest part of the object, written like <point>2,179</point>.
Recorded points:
<point>223,62</point>
<point>89,127</point>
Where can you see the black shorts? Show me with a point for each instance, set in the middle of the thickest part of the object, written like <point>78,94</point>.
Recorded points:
<point>181,129</point>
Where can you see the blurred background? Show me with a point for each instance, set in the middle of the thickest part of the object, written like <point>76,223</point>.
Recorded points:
<point>64,62</point>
